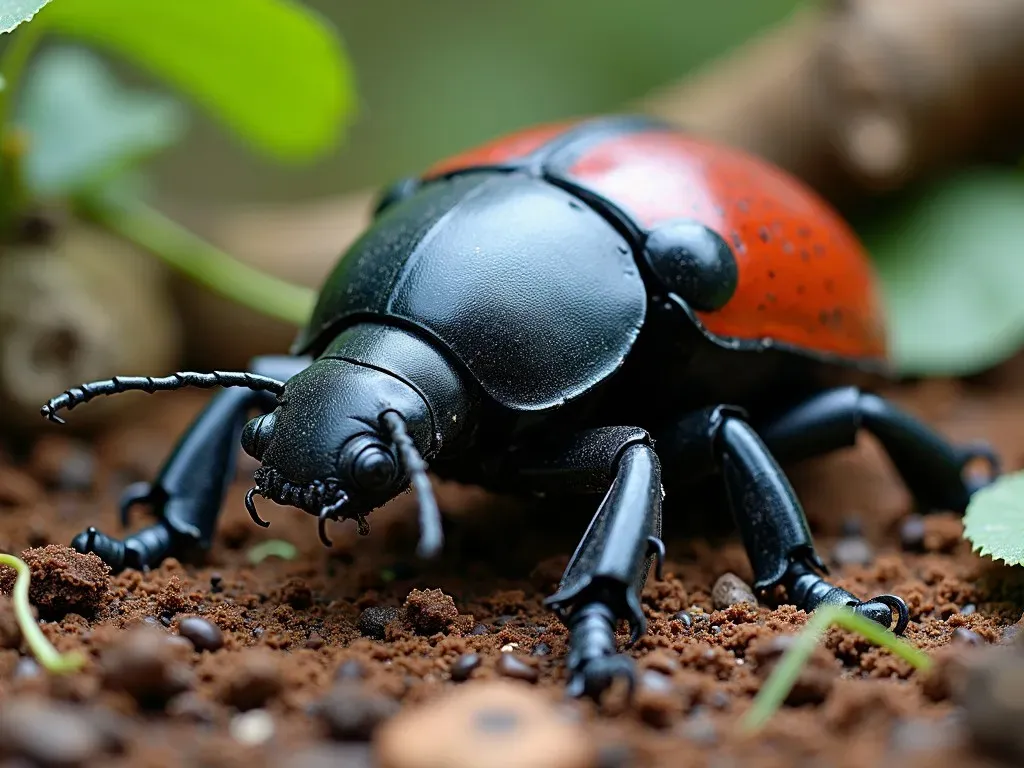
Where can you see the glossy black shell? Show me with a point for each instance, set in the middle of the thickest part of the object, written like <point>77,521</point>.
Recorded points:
<point>537,295</point>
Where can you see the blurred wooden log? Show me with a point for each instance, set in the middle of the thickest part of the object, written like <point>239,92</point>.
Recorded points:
<point>79,306</point>
<point>857,97</point>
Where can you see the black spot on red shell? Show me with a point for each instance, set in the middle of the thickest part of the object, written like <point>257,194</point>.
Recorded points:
<point>743,206</point>
<point>819,249</point>
<point>771,274</point>
<point>787,247</point>
<point>770,298</point>
<point>803,231</point>
<point>764,234</point>
<point>805,255</point>
<point>830,285</point>
<point>761,307</point>
<point>801,290</point>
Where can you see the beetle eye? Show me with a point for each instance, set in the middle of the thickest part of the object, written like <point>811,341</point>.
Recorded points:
<point>373,469</point>
<point>257,433</point>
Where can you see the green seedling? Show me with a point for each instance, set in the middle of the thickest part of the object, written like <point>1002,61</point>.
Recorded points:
<point>781,681</point>
<point>271,548</point>
<point>45,653</point>
<point>994,522</point>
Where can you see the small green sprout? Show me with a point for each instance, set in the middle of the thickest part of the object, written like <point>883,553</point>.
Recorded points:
<point>45,653</point>
<point>271,548</point>
<point>782,679</point>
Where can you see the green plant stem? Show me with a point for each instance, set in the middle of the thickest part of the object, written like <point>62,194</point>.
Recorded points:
<point>12,65</point>
<point>45,653</point>
<point>203,262</point>
<point>777,687</point>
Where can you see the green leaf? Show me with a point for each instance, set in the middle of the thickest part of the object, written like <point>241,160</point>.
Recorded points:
<point>15,12</point>
<point>270,70</point>
<point>951,261</point>
<point>994,523</point>
<point>84,126</point>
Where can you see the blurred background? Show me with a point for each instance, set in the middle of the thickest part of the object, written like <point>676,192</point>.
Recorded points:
<point>176,180</point>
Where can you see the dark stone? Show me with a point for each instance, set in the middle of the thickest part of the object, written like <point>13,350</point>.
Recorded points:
<point>684,618</point>
<point>480,629</point>
<point>511,665</point>
<point>315,642</point>
<point>462,668</point>
<point>912,533</point>
<point>352,714</point>
<point>373,621</point>
<point>541,649</point>
<point>852,551</point>
<point>205,635</point>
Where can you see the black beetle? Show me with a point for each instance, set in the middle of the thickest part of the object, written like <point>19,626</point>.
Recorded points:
<point>530,317</point>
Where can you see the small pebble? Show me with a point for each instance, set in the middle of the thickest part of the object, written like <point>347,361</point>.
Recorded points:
<point>684,618</point>
<point>146,666</point>
<point>924,735</point>
<point>965,636</point>
<point>509,647</point>
<point>254,681</point>
<point>968,609</point>
<point>912,531</point>
<point>511,665</point>
<point>730,589</point>
<point>852,527</point>
<point>541,649</point>
<point>480,629</point>
<point>353,714</point>
<point>852,551</point>
<point>48,734</point>
<point>26,669</point>
<point>992,699</point>
<point>252,728</point>
<point>314,642</point>
<point>463,667</point>
<point>350,670</point>
<point>373,621</point>
<point>488,723</point>
<point>216,583</point>
<point>700,729</point>
<point>191,707</point>
<point>204,634</point>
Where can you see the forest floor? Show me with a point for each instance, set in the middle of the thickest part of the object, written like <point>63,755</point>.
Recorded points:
<point>332,658</point>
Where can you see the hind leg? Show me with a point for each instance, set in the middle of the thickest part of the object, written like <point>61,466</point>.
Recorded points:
<point>931,467</point>
<point>770,519</point>
<point>187,495</point>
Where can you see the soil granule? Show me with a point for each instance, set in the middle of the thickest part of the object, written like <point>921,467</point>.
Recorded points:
<point>362,655</point>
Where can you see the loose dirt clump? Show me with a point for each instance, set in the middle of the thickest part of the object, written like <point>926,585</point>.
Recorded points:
<point>430,611</point>
<point>63,581</point>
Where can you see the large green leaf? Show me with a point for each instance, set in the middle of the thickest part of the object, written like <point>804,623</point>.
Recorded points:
<point>15,12</point>
<point>951,262</point>
<point>271,70</point>
<point>994,523</point>
<point>84,127</point>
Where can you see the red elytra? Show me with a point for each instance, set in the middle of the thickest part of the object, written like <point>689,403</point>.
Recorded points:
<point>804,279</point>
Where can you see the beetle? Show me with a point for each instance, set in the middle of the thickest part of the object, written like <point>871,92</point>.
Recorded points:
<point>578,309</point>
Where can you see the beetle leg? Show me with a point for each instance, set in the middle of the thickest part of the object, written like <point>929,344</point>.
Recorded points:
<point>768,515</point>
<point>602,583</point>
<point>187,495</point>
<point>931,467</point>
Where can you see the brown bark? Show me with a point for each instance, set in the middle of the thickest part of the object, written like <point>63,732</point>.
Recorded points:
<point>857,97</point>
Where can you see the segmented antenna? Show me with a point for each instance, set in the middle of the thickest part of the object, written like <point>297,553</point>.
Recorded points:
<point>115,386</point>
<point>431,532</point>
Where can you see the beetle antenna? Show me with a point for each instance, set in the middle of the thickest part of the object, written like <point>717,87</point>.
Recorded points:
<point>83,393</point>
<point>431,532</point>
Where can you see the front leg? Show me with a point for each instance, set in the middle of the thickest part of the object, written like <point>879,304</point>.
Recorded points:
<point>602,583</point>
<point>187,495</point>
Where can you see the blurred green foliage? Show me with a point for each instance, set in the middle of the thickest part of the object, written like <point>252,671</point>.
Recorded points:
<point>994,523</point>
<point>951,259</point>
<point>435,77</point>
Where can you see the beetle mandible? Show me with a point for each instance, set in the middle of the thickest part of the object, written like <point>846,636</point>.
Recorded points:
<point>539,314</point>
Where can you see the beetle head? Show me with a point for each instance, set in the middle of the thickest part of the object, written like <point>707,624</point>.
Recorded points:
<point>344,439</point>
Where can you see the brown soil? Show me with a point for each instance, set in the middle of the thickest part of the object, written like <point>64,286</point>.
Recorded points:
<point>315,656</point>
